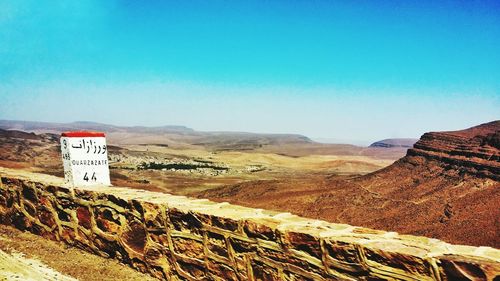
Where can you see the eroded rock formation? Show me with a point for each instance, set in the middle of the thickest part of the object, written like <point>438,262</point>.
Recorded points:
<point>475,150</point>
<point>178,238</point>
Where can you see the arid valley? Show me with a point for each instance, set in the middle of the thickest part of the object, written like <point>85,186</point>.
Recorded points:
<point>445,187</point>
<point>249,140</point>
<point>183,161</point>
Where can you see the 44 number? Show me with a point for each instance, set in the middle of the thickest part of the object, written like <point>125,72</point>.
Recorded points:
<point>86,177</point>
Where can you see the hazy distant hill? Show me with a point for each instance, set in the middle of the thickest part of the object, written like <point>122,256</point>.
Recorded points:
<point>408,143</point>
<point>42,127</point>
<point>170,135</point>
<point>293,145</point>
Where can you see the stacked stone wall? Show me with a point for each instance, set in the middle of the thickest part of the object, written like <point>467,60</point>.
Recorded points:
<point>179,238</point>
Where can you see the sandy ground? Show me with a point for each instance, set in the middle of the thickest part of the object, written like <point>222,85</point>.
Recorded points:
<point>25,256</point>
<point>240,159</point>
<point>271,167</point>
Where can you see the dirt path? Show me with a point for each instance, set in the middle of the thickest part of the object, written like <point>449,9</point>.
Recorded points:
<point>25,256</point>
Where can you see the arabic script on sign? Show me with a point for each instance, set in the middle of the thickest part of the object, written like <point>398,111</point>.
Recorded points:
<point>85,158</point>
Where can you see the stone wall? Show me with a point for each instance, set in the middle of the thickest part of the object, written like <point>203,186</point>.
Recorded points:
<point>178,238</point>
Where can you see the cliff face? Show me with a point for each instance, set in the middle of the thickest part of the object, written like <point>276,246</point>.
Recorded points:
<point>447,186</point>
<point>475,150</point>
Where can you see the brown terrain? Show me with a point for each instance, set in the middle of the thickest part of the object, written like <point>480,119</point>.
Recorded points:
<point>169,159</point>
<point>179,160</point>
<point>446,187</point>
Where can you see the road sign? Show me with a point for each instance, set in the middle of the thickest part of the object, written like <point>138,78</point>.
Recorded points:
<point>85,158</point>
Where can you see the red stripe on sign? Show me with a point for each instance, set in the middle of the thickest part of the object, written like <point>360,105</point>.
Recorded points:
<point>82,134</point>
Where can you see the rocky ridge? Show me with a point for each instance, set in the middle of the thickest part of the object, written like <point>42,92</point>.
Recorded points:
<point>475,150</point>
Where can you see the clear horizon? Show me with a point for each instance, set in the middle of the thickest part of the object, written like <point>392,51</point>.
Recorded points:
<point>325,70</point>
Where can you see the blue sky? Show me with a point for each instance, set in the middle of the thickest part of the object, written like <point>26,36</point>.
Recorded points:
<point>354,71</point>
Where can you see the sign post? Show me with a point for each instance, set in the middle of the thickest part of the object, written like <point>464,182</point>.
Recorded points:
<point>85,158</point>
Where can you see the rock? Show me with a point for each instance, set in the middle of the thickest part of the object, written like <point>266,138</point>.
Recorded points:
<point>474,151</point>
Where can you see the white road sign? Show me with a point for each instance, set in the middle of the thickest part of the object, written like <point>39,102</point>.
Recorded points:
<point>85,158</point>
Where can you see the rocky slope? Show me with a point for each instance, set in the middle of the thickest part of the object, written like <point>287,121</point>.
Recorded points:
<point>475,150</point>
<point>446,187</point>
<point>19,148</point>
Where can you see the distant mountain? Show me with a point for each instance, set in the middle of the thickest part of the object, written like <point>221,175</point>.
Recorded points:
<point>42,127</point>
<point>293,145</point>
<point>169,135</point>
<point>408,143</point>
